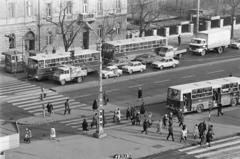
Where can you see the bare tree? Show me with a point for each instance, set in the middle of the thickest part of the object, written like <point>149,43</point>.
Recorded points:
<point>69,29</point>
<point>109,27</point>
<point>234,6</point>
<point>146,12</point>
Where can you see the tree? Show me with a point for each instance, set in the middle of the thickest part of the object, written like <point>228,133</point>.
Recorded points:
<point>146,12</point>
<point>68,29</point>
<point>234,6</point>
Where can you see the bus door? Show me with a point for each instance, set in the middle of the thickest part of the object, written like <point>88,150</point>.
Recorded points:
<point>187,101</point>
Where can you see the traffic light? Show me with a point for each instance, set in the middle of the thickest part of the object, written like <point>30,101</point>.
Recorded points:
<point>42,96</point>
<point>72,54</point>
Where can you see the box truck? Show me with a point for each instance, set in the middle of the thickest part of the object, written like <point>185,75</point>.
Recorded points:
<point>214,39</point>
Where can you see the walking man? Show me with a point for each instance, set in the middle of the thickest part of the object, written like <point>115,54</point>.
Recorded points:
<point>179,40</point>
<point>220,109</point>
<point>140,94</point>
<point>145,126</point>
<point>170,132</point>
<point>67,108</point>
<point>209,135</point>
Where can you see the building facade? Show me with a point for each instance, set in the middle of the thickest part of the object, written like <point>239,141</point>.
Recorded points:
<point>25,24</point>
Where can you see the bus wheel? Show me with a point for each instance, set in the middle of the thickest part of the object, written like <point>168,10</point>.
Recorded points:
<point>199,108</point>
<point>233,102</point>
<point>79,79</point>
<point>62,82</point>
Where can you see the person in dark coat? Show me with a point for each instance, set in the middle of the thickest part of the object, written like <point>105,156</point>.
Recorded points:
<point>50,108</point>
<point>220,109</point>
<point>165,119</point>
<point>67,107</point>
<point>179,40</point>
<point>140,93</point>
<point>95,105</point>
<point>170,132</point>
<point>202,128</point>
<point>94,120</point>
<point>209,136</point>
<point>128,113</point>
<point>85,125</point>
<point>145,126</point>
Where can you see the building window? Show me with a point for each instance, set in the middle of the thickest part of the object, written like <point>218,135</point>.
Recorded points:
<point>29,8</point>
<point>118,6</point>
<point>49,39</point>
<point>11,10</point>
<point>49,9</point>
<point>100,7</point>
<point>100,31</point>
<point>85,6</point>
<point>69,7</point>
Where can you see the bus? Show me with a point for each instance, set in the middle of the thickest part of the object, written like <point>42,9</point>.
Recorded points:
<point>202,95</point>
<point>14,61</point>
<point>118,48</point>
<point>43,65</point>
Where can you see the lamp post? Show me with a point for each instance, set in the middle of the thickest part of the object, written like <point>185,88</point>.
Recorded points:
<point>198,7</point>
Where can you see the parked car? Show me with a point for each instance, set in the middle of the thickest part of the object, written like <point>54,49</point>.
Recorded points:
<point>134,66</point>
<point>119,62</point>
<point>111,71</point>
<point>170,51</point>
<point>165,62</point>
<point>146,58</point>
<point>235,44</point>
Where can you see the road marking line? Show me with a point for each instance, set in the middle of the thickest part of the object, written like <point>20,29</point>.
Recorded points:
<point>222,140</point>
<point>215,72</point>
<point>213,147</point>
<point>157,82</point>
<point>139,85</point>
<point>86,95</point>
<point>111,90</point>
<point>217,152</point>
<point>188,76</point>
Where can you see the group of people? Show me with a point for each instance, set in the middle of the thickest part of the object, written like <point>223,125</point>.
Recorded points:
<point>205,134</point>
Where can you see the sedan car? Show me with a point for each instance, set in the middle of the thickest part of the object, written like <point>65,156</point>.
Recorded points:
<point>235,44</point>
<point>134,66</point>
<point>111,71</point>
<point>146,58</point>
<point>164,63</point>
<point>119,62</point>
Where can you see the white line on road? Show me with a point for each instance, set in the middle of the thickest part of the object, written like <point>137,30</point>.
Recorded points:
<point>157,82</point>
<point>85,95</point>
<point>215,72</point>
<point>139,85</point>
<point>111,90</point>
<point>188,76</point>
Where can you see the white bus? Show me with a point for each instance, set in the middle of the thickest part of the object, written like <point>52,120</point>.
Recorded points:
<point>202,95</point>
<point>43,65</point>
<point>118,48</point>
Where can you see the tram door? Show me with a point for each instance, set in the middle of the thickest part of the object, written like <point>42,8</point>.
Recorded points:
<point>187,101</point>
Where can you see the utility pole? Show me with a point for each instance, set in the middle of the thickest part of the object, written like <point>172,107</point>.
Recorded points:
<point>39,25</point>
<point>198,7</point>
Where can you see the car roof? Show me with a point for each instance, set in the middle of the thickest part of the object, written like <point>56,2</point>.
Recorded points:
<point>112,67</point>
<point>134,62</point>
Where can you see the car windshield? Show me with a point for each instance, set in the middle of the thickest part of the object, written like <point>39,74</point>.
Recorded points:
<point>108,69</point>
<point>58,72</point>
<point>163,49</point>
<point>196,41</point>
<point>162,60</point>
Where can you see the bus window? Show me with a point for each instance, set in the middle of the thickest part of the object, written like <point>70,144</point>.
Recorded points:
<point>173,94</point>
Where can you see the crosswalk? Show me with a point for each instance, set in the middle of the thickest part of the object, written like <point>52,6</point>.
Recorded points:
<point>27,96</point>
<point>220,149</point>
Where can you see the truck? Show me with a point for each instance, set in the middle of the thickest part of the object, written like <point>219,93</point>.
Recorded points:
<point>210,40</point>
<point>169,51</point>
<point>67,73</point>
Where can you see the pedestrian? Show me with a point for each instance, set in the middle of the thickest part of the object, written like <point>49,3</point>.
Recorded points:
<point>85,125</point>
<point>118,115</point>
<point>209,135</point>
<point>138,118</point>
<point>94,120</point>
<point>128,113</point>
<point>43,109</point>
<point>95,105</point>
<point>165,119</point>
<point>170,132</point>
<point>145,126</point>
<point>220,109</point>
<point>179,40</point>
<point>67,107</point>
<point>27,136</point>
<point>105,98</point>
<point>159,126</point>
<point>140,94</point>
<point>195,131</point>
<point>142,110</point>
<point>202,128</point>
<point>181,119</point>
<point>170,118</point>
<point>184,134</point>
<point>50,108</point>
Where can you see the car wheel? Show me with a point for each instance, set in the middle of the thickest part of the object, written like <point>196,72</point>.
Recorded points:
<point>173,65</point>
<point>79,79</point>
<point>203,53</point>
<point>161,67</point>
<point>62,82</point>
<point>130,71</point>
<point>141,70</point>
<point>107,77</point>
<point>220,50</point>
